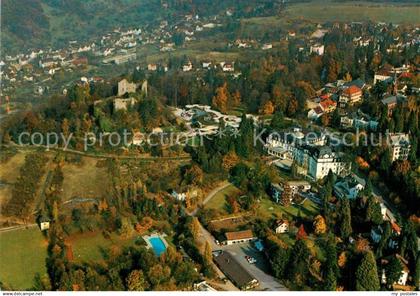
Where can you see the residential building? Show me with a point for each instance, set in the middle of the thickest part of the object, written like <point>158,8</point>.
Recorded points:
<point>44,223</point>
<point>235,271</point>
<point>285,144</point>
<point>187,67</point>
<point>281,226</point>
<point>288,190</point>
<point>228,67</point>
<point>315,113</point>
<point>152,67</point>
<point>125,87</point>
<point>350,96</point>
<point>323,159</point>
<point>267,46</point>
<point>239,237</point>
<point>327,105</point>
<point>359,121</point>
<point>391,102</point>
<point>349,187</point>
<point>400,146</point>
<point>317,48</point>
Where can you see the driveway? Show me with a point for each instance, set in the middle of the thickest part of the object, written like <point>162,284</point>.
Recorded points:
<point>259,270</point>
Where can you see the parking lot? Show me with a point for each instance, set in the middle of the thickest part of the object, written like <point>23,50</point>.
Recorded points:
<point>259,269</point>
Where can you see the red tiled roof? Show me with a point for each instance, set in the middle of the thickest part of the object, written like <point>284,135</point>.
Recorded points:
<point>327,103</point>
<point>238,235</point>
<point>406,75</point>
<point>352,90</point>
<point>395,227</point>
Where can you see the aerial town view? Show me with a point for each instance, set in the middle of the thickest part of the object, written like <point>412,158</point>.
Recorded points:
<point>210,145</point>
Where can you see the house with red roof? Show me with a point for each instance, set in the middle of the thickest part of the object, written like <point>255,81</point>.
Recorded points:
<point>350,96</point>
<point>327,105</point>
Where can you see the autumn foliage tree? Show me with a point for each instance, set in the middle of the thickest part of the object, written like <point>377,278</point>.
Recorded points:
<point>320,225</point>
<point>220,100</point>
<point>267,108</point>
<point>230,160</point>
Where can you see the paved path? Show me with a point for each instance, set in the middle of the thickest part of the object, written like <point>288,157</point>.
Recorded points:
<point>102,155</point>
<point>211,194</point>
<point>17,227</point>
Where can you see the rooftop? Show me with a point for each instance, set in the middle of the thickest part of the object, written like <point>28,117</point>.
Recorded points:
<point>234,270</point>
<point>353,89</point>
<point>238,235</point>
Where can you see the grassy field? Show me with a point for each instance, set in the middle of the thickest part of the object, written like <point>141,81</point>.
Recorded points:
<point>269,209</point>
<point>9,172</point>
<point>26,250</point>
<point>84,180</point>
<point>23,254</point>
<point>323,11</point>
<point>89,246</point>
<point>218,202</point>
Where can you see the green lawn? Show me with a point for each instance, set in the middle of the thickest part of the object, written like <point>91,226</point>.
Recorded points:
<point>218,202</point>
<point>23,254</point>
<point>89,246</point>
<point>269,209</point>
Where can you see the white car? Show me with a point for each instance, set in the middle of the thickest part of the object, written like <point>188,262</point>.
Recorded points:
<point>250,260</point>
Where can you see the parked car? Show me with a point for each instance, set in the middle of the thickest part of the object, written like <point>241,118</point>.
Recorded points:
<point>250,259</point>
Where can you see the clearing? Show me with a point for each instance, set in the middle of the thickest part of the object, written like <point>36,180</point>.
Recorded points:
<point>84,180</point>
<point>323,11</point>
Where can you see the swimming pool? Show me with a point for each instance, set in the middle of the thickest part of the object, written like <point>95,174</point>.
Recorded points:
<point>158,245</point>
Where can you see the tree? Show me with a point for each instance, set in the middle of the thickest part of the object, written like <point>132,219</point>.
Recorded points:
<point>319,225</point>
<point>347,77</point>
<point>393,271</point>
<point>65,127</point>
<point>207,253</point>
<point>331,265</point>
<point>235,99</point>
<point>373,211</point>
<point>55,211</point>
<point>279,262</point>
<point>230,160</point>
<point>195,227</point>
<point>367,274</point>
<point>220,100</point>
<point>417,274</point>
<point>384,239</point>
<point>277,121</point>
<point>301,234</point>
<point>299,261</point>
<point>325,119</point>
<point>267,108</point>
<point>294,169</point>
<point>135,281</point>
<point>345,218</point>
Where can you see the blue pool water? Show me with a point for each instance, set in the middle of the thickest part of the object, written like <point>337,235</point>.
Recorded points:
<point>158,245</point>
